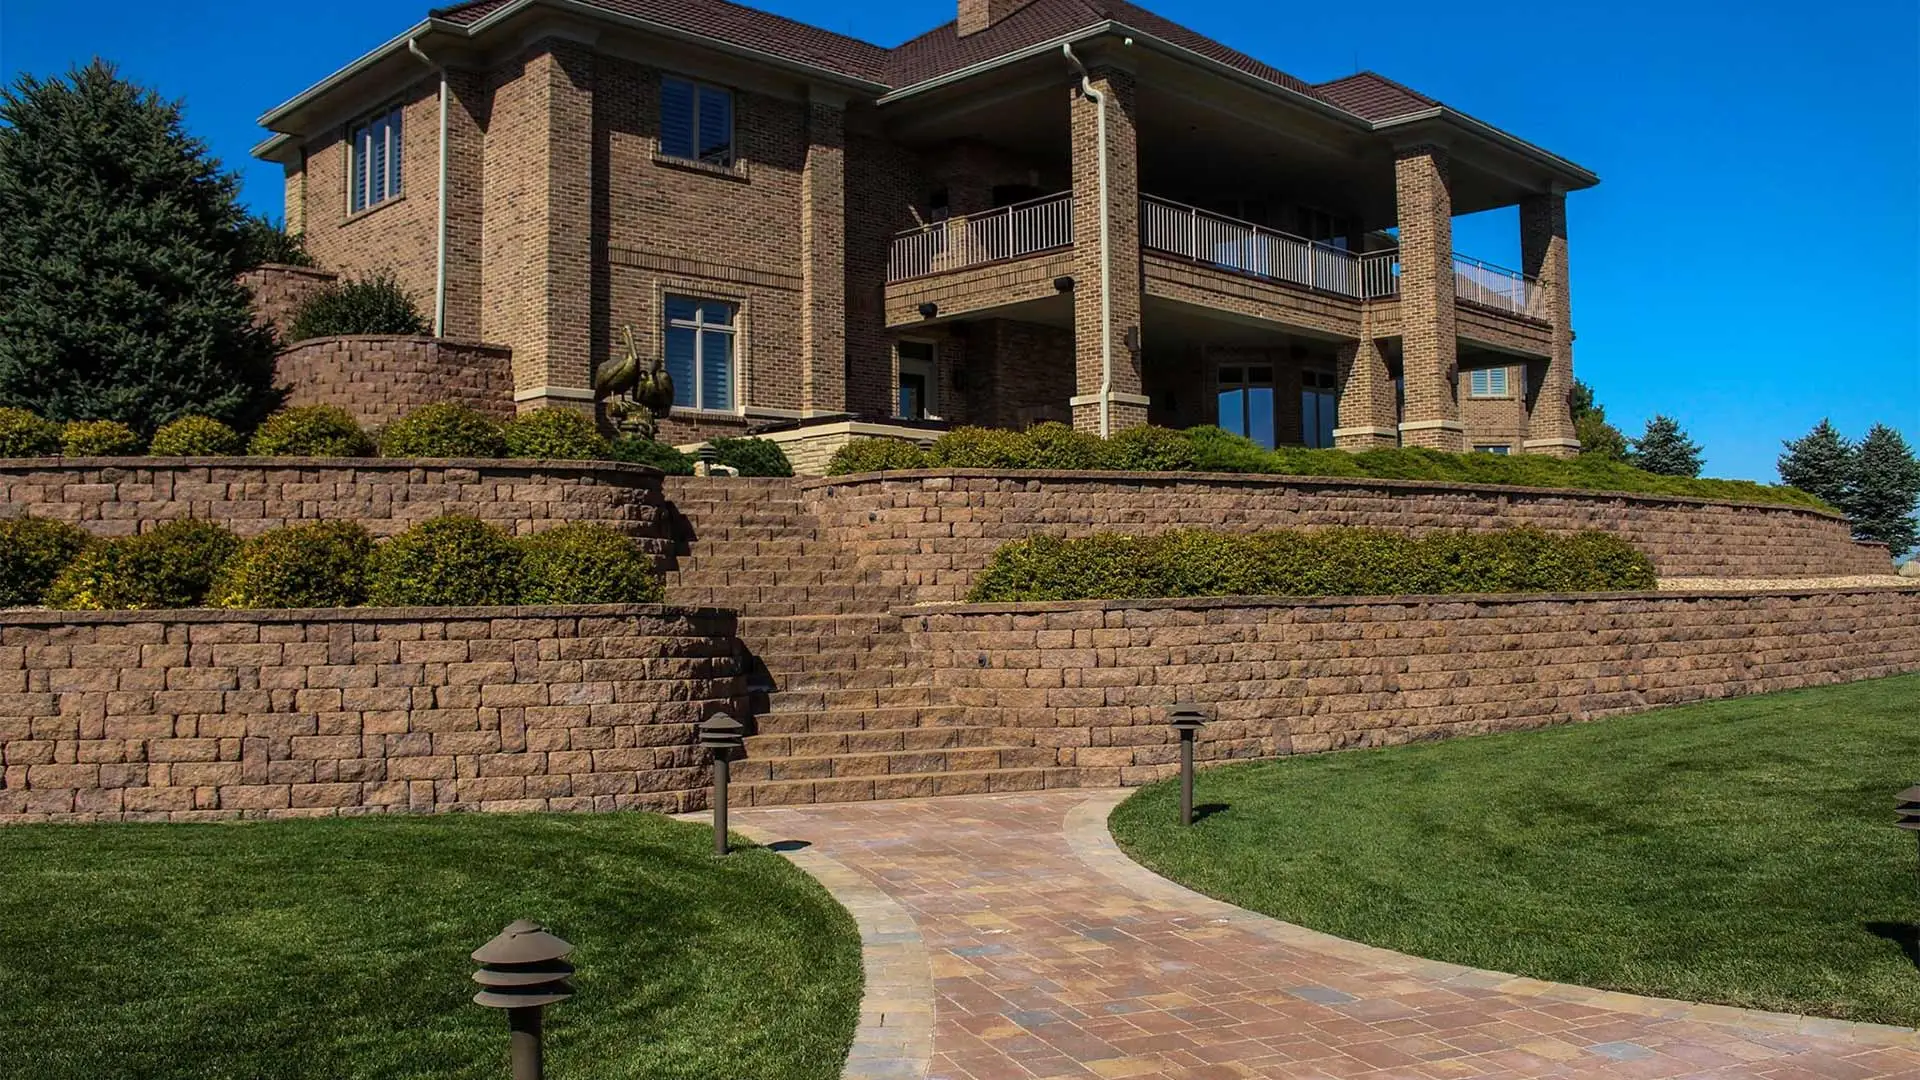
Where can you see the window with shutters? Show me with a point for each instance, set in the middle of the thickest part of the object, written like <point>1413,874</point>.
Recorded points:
<point>696,122</point>
<point>1487,383</point>
<point>700,352</point>
<point>373,161</point>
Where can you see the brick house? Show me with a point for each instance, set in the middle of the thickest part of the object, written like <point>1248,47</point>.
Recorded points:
<point>1054,210</point>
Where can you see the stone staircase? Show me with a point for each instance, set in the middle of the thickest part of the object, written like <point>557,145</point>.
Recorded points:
<point>840,710</point>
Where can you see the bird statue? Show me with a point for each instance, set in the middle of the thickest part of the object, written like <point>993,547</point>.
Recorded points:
<point>638,394</point>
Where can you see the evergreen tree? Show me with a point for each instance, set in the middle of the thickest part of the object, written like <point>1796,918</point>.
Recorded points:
<point>1665,449</point>
<point>1883,489</point>
<point>1590,426</point>
<point>120,241</point>
<point>1819,463</point>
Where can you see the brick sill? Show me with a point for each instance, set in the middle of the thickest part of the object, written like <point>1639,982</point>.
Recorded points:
<point>362,215</point>
<point>736,173</point>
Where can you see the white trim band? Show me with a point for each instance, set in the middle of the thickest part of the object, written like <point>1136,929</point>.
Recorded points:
<point>564,393</point>
<point>1531,443</point>
<point>1433,425</point>
<point>1383,432</point>
<point>1115,397</point>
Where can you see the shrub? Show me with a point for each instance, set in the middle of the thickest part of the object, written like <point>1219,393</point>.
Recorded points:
<point>1218,450</point>
<point>311,431</point>
<point>876,455</point>
<point>555,435</point>
<point>98,438</point>
<point>1325,562</point>
<point>22,434</point>
<point>979,448</point>
<point>637,451</point>
<point>325,564</point>
<point>450,560</point>
<point>1150,449</point>
<point>753,457</point>
<point>1057,446</point>
<point>171,567</point>
<point>585,563</point>
<point>444,430</point>
<point>372,304</point>
<point>196,436</point>
<point>33,551</point>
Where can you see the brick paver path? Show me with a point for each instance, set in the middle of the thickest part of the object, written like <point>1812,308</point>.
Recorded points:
<point>1052,955</point>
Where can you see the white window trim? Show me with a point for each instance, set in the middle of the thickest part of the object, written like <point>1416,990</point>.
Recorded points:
<point>931,406</point>
<point>397,110</point>
<point>700,328</point>
<point>733,112</point>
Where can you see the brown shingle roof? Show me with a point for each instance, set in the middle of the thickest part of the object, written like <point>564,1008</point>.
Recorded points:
<point>1373,96</point>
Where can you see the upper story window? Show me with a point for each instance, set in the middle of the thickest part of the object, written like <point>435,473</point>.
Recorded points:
<point>373,161</point>
<point>700,352</point>
<point>696,122</point>
<point>1487,382</point>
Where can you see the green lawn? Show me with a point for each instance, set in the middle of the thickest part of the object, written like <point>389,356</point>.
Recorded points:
<point>339,948</point>
<point>1736,851</point>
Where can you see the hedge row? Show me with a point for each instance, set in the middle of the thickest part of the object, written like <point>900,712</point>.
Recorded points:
<point>1210,449</point>
<point>451,560</point>
<point>1323,562</point>
<point>444,430</point>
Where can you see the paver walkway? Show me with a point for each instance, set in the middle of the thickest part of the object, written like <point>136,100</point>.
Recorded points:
<point>1052,955</point>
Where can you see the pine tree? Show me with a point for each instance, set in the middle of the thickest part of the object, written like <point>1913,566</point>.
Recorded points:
<point>1665,449</point>
<point>120,241</point>
<point>1597,437</point>
<point>1883,490</point>
<point>1819,463</point>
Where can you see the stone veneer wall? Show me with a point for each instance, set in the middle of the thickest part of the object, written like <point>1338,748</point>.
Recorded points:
<point>1282,676</point>
<point>380,378</point>
<point>934,531</point>
<point>185,715</point>
<point>118,496</point>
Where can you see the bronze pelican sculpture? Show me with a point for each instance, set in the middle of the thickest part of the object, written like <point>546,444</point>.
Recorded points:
<point>638,394</point>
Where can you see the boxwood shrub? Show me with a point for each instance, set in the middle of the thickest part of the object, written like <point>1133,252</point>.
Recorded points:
<point>585,563</point>
<point>98,438</point>
<point>447,429</point>
<point>876,455</point>
<point>325,564</point>
<point>1323,562</point>
<point>33,551</point>
<point>311,431</point>
<point>196,436</point>
<point>555,435</point>
<point>449,560</point>
<point>637,451</point>
<point>22,434</point>
<point>753,457</point>
<point>171,567</point>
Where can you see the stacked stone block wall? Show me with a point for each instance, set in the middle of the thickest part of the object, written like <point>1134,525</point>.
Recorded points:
<point>280,291</point>
<point>380,378</point>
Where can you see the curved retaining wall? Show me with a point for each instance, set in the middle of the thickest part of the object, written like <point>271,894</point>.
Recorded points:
<point>119,496</point>
<point>380,378</point>
<point>1287,676</point>
<point>934,531</point>
<point>206,714</point>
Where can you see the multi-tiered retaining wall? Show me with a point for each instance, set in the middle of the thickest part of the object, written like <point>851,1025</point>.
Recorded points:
<point>380,378</point>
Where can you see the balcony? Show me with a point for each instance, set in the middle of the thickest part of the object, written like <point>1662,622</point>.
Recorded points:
<point>1497,287</point>
<point>1008,232</point>
<point>1244,248</point>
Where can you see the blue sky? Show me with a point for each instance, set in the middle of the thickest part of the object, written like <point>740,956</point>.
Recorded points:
<point>1747,264</point>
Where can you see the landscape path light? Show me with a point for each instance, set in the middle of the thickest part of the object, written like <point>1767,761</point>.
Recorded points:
<point>722,736</point>
<point>523,970</point>
<point>1186,721</point>
<point>1907,805</point>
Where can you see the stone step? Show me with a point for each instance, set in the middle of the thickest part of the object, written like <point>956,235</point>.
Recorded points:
<point>784,548</point>
<point>846,721</point>
<point>700,562</point>
<point>836,700</point>
<point>888,740</point>
<point>793,663</point>
<point>843,765</point>
<point>904,786</point>
<point>845,678</point>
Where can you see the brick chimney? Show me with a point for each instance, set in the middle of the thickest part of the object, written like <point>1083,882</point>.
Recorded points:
<point>977,15</point>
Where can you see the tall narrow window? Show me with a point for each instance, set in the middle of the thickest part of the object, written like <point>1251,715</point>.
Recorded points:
<point>1319,402</point>
<point>696,122</point>
<point>373,161</point>
<point>916,392</point>
<point>700,352</point>
<point>1487,382</point>
<point>1246,402</point>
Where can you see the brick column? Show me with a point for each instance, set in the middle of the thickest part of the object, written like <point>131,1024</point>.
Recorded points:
<point>823,256</point>
<point>1543,255</point>
<point>1367,415</point>
<point>1127,406</point>
<point>296,197</point>
<point>466,103</point>
<point>1426,300</point>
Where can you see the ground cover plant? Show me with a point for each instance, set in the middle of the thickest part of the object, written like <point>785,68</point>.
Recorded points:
<point>302,950</point>
<point>1735,851</point>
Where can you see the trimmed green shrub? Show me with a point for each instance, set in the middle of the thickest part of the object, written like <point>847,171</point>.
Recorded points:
<point>373,304</point>
<point>980,448</point>
<point>98,438</point>
<point>171,567</point>
<point>446,561</point>
<point>876,455</point>
<point>1150,449</point>
<point>1054,445</point>
<point>753,457</point>
<point>325,564</point>
<point>22,434</point>
<point>1324,562</point>
<point>444,430</point>
<point>638,451</point>
<point>555,435</point>
<point>33,551</point>
<point>585,563</point>
<point>311,431</point>
<point>196,436</point>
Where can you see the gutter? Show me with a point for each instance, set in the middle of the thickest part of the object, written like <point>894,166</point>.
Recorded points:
<point>440,212</point>
<point>1106,285</point>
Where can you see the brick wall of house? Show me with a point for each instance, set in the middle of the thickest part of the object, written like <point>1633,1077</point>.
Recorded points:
<point>200,715</point>
<point>279,292</point>
<point>1431,416</point>
<point>1094,680</point>
<point>933,532</point>
<point>886,189</point>
<point>1495,421</point>
<point>380,379</point>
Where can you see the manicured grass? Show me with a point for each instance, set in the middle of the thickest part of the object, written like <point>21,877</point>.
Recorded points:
<point>339,948</point>
<point>1737,851</point>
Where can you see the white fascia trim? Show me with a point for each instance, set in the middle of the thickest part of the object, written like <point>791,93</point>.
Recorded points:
<point>564,393</point>
<point>1487,131</point>
<point>1433,425</point>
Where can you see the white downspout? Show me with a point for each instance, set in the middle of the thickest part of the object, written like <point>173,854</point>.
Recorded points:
<point>440,255</point>
<point>1106,290</point>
